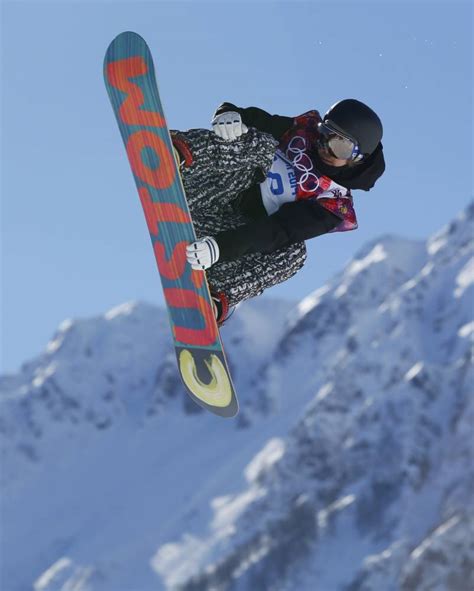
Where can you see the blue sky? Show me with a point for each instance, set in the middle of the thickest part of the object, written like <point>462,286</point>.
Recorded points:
<point>74,240</point>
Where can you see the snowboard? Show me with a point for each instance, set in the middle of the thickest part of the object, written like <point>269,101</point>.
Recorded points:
<point>131,84</point>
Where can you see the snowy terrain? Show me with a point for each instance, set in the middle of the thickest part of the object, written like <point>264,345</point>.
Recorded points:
<point>349,468</point>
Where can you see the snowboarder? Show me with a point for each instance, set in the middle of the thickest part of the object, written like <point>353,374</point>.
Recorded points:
<point>259,185</point>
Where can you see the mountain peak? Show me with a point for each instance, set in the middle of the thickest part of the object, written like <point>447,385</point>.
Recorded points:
<point>395,251</point>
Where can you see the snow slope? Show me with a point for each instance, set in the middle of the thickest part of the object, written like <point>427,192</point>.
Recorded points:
<point>350,467</point>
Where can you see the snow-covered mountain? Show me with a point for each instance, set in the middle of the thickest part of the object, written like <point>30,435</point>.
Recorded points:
<point>349,468</point>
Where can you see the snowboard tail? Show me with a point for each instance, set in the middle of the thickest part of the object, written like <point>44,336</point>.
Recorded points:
<point>130,80</point>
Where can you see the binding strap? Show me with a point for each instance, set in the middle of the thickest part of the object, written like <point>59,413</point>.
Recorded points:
<point>224,303</point>
<point>183,149</point>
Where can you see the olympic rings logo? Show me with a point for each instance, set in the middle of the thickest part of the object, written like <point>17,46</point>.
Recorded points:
<point>296,153</point>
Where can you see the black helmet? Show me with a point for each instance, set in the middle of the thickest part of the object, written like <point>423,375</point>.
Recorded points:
<point>358,121</point>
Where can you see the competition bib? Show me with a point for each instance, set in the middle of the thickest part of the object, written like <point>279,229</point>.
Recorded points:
<point>280,185</point>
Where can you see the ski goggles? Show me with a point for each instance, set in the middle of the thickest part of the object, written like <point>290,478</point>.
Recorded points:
<point>337,143</point>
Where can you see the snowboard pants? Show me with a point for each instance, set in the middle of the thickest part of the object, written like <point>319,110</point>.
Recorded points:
<point>214,173</point>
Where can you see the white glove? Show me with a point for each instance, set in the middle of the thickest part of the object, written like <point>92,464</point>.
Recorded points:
<point>229,126</point>
<point>203,253</point>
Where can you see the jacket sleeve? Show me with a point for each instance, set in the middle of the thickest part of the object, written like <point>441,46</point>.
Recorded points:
<point>276,125</point>
<point>293,222</point>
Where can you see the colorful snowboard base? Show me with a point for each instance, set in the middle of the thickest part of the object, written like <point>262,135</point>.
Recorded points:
<point>130,80</point>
